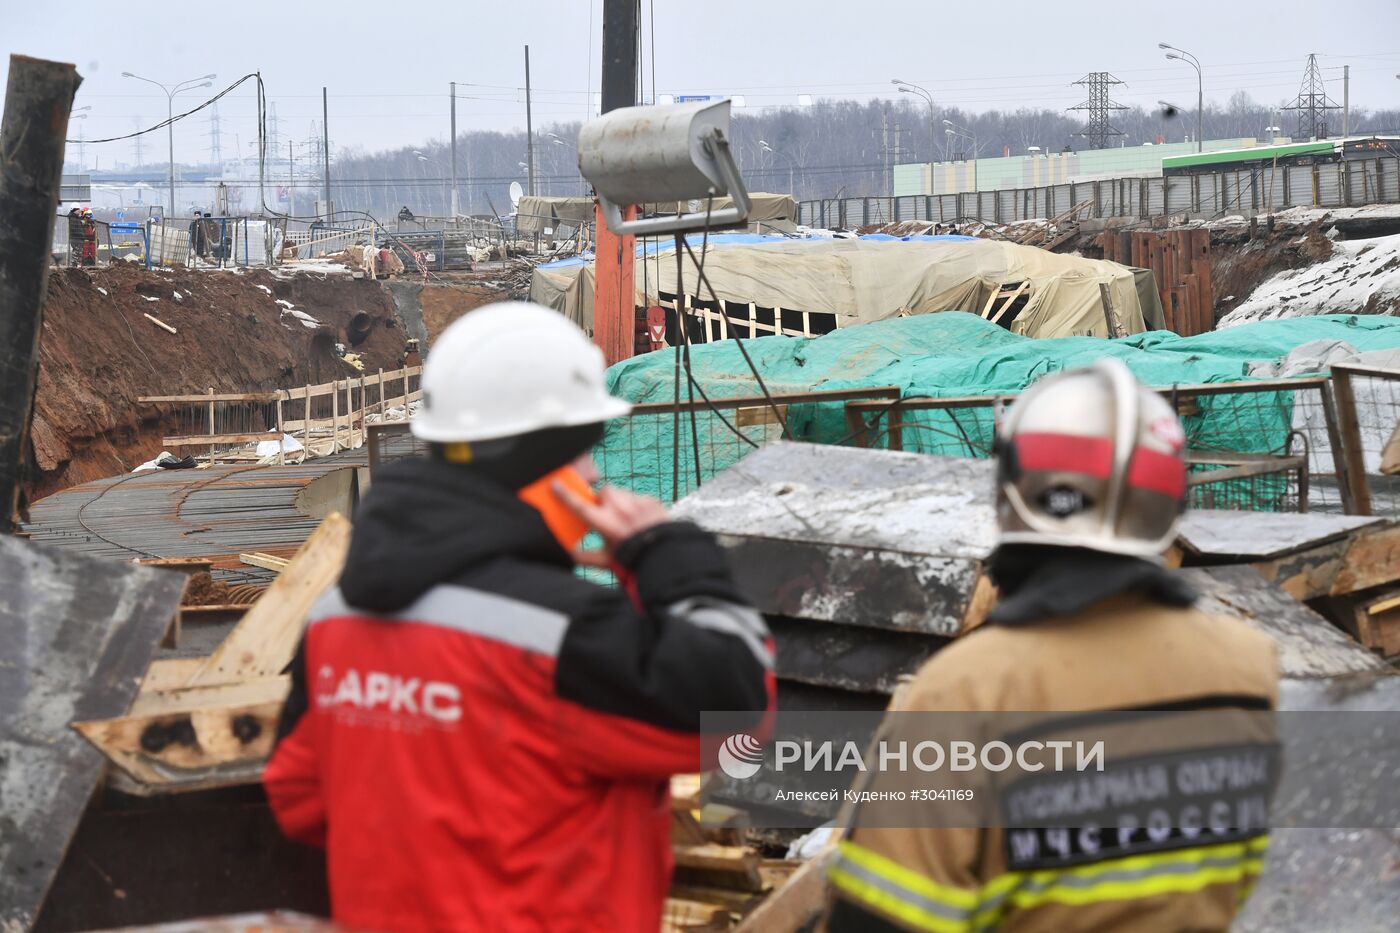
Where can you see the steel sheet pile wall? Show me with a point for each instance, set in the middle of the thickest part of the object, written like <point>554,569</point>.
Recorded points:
<point>1180,262</point>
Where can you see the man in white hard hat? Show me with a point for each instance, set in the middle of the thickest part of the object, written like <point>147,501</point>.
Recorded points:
<point>480,738</point>
<point>1093,638</point>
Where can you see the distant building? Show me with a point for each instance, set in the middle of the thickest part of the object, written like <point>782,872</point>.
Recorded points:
<point>1048,168</point>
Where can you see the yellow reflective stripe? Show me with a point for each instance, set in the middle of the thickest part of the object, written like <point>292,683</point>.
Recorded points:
<point>962,899</point>
<point>923,904</point>
<point>1182,871</point>
<point>892,904</point>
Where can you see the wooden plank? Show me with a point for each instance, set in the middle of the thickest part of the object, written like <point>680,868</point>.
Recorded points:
<point>204,440</point>
<point>265,561</point>
<point>266,637</point>
<point>186,699</point>
<point>1383,628</point>
<point>796,904</point>
<point>1353,450</point>
<point>687,916</point>
<point>159,323</point>
<point>1372,559</point>
<point>758,415</point>
<point>1308,574</point>
<point>984,597</point>
<point>686,829</point>
<point>1308,644</point>
<point>202,399</point>
<point>725,866</point>
<point>685,791</point>
<point>206,740</point>
<point>168,673</point>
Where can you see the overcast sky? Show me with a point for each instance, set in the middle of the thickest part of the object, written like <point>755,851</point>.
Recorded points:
<point>387,65</point>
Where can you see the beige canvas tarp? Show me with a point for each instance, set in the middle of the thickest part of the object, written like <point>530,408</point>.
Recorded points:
<point>870,280</point>
<point>534,214</point>
<point>762,206</point>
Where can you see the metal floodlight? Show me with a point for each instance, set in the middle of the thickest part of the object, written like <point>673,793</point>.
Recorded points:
<point>676,152</point>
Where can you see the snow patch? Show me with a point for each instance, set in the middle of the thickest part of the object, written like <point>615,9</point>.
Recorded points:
<point>101,289</point>
<point>179,297</point>
<point>150,298</point>
<point>306,319</point>
<point>266,289</point>
<point>285,303</point>
<point>1359,274</point>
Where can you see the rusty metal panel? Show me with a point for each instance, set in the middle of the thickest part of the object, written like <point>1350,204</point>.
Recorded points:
<point>79,634</point>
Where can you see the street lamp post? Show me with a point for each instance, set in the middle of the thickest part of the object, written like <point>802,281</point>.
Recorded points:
<point>1181,55</point>
<point>916,90</point>
<point>170,92</point>
<point>561,141</point>
<point>792,163</point>
<point>418,154</point>
<point>953,129</point>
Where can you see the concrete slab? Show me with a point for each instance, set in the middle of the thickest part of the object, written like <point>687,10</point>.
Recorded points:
<point>1250,536</point>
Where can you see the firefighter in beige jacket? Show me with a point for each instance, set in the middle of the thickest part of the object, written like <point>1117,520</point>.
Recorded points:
<point>1091,482</point>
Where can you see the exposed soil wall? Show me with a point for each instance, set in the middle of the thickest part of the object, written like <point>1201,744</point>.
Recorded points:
<point>443,304</point>
<point>98,354</point>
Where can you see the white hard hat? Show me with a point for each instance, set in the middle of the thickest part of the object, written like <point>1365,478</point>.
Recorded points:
<point>1089,458</point>
<point>511,368</point>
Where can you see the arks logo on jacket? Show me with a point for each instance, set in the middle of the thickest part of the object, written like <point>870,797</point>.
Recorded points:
<point>388,695</point>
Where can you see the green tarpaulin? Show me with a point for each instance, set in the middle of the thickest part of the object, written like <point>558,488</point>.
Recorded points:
<point>945,355</point>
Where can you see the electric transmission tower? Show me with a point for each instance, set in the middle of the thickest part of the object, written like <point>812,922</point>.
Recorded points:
<point>137,141</point>
<point>1312,103</point>
<point>214,151</point>
<point>1099,131</point>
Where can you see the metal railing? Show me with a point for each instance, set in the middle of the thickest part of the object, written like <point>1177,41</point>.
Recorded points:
<point>323,418</point>
<point>1263,445</point>
<point>1340,184</point>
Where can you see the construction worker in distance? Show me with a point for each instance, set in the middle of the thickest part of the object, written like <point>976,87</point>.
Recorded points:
<point>89,238</point>
<point>1091,628</point>
<point>75,236</point>
<point>480,738</point>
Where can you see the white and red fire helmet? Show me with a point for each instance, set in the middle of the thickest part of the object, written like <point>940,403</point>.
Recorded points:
<point>1090,458</point>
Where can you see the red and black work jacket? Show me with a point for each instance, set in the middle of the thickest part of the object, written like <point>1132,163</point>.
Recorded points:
<point>481,739</point>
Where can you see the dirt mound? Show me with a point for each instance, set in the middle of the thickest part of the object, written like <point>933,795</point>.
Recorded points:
<point>98,353</point>
<point>443,304</point>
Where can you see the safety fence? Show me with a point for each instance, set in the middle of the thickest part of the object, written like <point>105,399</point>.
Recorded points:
<point>319,419</point>
<point>1368,409</point>
<point>1262,445</point>
<point>1266,188</point>
<point>667,449</point>
<point>214,241</point>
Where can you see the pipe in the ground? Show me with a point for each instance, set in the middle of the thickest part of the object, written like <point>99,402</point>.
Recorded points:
<point>38,98</point>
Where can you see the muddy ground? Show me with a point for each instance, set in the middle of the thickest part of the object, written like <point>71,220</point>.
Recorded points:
<point>98,354</point>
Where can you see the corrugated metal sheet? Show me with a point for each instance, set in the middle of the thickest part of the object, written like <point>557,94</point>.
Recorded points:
<point>1242,190</point>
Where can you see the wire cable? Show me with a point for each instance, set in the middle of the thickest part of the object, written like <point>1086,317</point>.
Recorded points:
<point>169,120</point>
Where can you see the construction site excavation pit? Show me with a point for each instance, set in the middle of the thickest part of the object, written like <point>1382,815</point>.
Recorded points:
<point>113,336</point>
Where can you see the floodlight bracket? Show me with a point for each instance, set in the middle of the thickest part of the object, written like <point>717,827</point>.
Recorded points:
<point>735,215</point>
<point>670,153</point>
